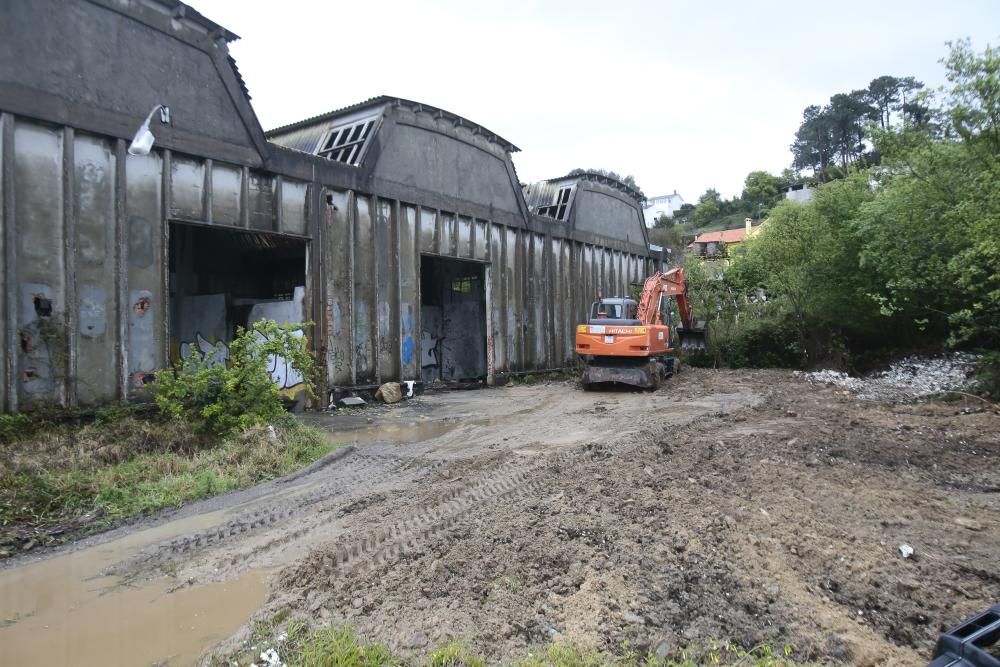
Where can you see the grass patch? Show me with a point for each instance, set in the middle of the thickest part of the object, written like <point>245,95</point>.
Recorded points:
<point>332,646</point>
<point>121,465</point>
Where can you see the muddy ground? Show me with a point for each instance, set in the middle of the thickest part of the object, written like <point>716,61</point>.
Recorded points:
<point>747,505</point>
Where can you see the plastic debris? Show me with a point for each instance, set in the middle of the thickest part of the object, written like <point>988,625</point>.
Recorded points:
<point>905,550</point>
<point>271,658</point>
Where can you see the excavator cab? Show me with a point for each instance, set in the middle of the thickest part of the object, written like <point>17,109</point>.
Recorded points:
<point>614,311</point>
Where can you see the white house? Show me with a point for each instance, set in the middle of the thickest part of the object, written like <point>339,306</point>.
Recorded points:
<point>661,205</point>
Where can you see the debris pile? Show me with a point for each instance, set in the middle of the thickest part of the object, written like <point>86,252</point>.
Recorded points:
<point>907,378</point>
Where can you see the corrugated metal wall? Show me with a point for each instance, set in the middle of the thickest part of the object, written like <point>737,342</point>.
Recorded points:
<point>85,240</point>
<point>84,282</point>
<point>538,287</point>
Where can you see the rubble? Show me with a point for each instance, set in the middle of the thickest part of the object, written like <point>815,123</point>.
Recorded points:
<point>905,379</point>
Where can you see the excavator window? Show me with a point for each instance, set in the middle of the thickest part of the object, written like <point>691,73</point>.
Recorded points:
<point>664,309</point>
<point>606,311</point>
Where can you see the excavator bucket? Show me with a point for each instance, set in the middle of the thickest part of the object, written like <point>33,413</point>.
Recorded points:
<point>695,339</point>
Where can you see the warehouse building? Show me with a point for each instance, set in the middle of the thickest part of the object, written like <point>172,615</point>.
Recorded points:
<point>399,229</point>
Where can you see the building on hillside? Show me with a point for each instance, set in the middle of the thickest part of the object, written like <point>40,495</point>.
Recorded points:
<point>398,228</point>
<point>798,193</point>
<point>715,246</point>
<point>661,205</point>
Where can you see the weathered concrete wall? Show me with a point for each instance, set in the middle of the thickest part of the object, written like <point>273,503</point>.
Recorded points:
<point>425,157</point>
<point>608,214</point>
<point>94,57</point>
<point>85,227</point>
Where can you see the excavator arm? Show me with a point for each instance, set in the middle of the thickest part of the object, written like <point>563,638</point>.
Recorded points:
<point>671,283</point>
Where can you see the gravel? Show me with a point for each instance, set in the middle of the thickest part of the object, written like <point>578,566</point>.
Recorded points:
<point>905,379</point>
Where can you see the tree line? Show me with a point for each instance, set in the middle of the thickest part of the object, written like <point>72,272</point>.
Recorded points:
<point>900,251</point>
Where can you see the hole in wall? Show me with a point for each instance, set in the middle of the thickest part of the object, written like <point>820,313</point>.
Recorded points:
<point>43,305</point>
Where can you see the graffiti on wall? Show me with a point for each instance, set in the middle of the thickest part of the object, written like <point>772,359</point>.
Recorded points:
<point>283,312</point>
<point>215,353</point>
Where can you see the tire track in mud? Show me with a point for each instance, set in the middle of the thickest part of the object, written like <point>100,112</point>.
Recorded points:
<point>362,474</point>
<point>373,548</point>
<point>309,516</point>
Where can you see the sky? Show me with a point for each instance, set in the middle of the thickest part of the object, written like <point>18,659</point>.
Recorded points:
<point>681,95</point>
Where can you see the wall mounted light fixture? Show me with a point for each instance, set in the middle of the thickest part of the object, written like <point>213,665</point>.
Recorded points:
<point>143,140</point>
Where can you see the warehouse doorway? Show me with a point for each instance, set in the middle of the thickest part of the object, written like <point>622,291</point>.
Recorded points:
<point>224,279</point>
<point>452,319</point>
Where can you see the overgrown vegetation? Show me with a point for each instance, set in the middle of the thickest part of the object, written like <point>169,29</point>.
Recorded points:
<point>219,427</point>
<point>117,470</point>
<point>332,646</point>
<point>222,399</point>
<point>903,255</point>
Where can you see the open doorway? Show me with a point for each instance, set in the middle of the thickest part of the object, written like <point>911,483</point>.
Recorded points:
<point>222,279</point>
<point>452,319</point>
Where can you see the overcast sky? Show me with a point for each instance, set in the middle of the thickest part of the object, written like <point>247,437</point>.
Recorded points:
<point>682,95</point>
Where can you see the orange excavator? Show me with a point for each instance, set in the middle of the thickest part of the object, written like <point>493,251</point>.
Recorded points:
<point>634,343</point>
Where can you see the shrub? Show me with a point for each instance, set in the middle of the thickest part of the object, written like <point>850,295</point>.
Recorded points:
<point>222,399</point>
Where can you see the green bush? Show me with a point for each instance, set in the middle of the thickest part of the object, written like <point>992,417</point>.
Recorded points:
<point>16,427</point>
<point>222,399</point>
<point>988,374</point>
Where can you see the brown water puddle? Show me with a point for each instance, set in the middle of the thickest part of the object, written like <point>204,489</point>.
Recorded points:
<point>127,626</point>
<point>61,611</point>
<point>395,432</point>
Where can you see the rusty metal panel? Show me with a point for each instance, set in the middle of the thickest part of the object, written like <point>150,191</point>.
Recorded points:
<point>446,234</point>
<point>557,301</point>
<point>569,317</point>
<point>481,239</point>
<point>364,293</point>
<point>294,208</point>
<point>513,289</point>
<point>40,293</point>
<point>499,297</point>
<point>7,319</point>
<point>94,194</point>
<point>386,291</point>
<point>145,305</point>
<point>428,230</point>
<point>187,188</point>
<point>464,237</point>
<point>409,299</point>
<point>227,194</point>
<point>540,295</point>
<point>263,201</point>
<point>339,291</point>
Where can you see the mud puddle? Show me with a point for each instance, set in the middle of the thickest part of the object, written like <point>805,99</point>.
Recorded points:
<point>64,611</point>
<point>416,430</point>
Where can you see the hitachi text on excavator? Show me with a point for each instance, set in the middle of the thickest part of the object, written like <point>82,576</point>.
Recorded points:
<point>635,342</point>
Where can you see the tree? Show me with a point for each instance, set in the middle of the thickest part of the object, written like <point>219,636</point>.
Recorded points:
<point>708,208</point>
<point>761,191</point>
<point>813,147</point>
<point>889,93</point>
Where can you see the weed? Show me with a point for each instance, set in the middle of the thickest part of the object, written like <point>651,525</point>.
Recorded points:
<point>134,466</point>
<point>18,427</point>
<point>454,654</point>
<point>334,647</point>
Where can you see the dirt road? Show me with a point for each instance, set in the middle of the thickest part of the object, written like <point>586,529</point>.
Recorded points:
<point>745,505</point>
